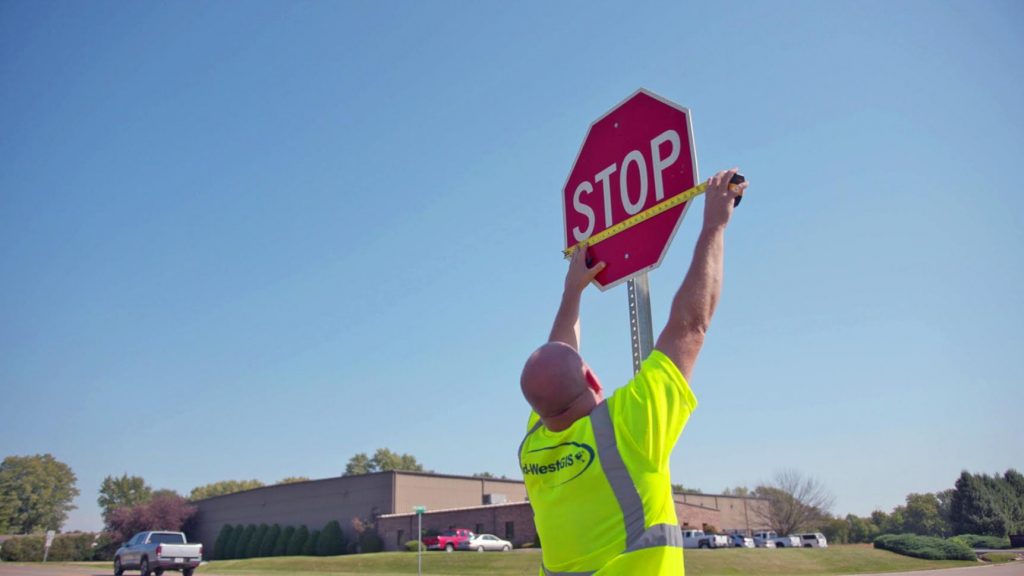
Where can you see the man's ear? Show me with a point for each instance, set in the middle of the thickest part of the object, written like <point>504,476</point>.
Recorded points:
<point>592,380</point>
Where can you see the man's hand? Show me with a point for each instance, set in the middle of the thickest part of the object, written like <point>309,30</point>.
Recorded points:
<point>720,198</point>
<point>579,274</point>
<point>567,322</point>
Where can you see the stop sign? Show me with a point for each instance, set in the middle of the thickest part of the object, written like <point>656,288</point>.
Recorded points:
<point>637,155</point>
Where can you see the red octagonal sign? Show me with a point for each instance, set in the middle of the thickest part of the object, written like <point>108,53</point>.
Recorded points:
<point>637,155</point>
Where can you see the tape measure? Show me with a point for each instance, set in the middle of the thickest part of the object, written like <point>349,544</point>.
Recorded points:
<point>649,213</point>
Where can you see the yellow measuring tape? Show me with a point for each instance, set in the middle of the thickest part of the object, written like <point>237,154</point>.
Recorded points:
<point>638,218</point>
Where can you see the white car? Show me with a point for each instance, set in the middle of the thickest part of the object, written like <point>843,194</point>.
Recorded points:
<point>485,542</point>
<point>813,540</point>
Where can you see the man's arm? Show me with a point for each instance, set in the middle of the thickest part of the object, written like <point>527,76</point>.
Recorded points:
<point>567,321</point>
<point>695,302</point>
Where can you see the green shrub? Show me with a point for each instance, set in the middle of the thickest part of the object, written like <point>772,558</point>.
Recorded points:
<point>242,547</point>
<point>221,544</point>
<point>231,548</point>
<point>270,540</point>
<point>65,548</point>
<point>412,545</point>
<point>297,542</point>
<point>256,543</point>
<point>927,547</point>
<point>310,548</point>
<point>978,541</point>
<point>281,546</point>
<point>332,540</point>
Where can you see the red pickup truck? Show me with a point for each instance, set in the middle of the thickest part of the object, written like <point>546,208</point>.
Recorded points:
<point>448,540</point>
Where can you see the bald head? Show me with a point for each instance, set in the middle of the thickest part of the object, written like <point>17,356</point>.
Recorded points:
<point>559,385</point>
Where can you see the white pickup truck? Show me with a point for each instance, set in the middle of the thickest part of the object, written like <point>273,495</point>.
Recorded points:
<point>158,551</point>
<point>698,539</point>
<point>760,538</point>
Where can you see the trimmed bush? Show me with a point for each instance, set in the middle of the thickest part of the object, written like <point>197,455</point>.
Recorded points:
<point>298,541</point>
<point>231,549</point>
<point>281,546</point>
<point>270,540</point>
<point>977,541</point>
<point>927,547</point>
<point>310,548</point>
<point>220,545</point>
<point>242,548</point>
<point>332,540</point>
<point>412,545</point>
<point>65,548</point>
<point>253,550</point>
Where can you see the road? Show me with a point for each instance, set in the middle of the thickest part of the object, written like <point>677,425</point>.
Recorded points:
<point>1010,569</point>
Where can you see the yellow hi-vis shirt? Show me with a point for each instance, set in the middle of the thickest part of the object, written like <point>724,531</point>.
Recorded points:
<point>600,489</point>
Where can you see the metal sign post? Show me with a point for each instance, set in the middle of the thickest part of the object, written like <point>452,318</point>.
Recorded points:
<point>641,330</point>
<point>419,538</point>
<point>49,542</point>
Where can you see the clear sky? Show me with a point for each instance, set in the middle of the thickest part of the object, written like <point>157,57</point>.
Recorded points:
<point>249,240</point>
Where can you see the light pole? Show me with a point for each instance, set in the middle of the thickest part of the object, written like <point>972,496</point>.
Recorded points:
<point>419,538</point>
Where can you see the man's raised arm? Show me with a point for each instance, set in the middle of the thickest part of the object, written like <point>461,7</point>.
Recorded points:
<point>567,321</point>
<point>695,302</point>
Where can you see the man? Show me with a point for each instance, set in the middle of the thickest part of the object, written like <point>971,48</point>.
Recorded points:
<point>597,470</point>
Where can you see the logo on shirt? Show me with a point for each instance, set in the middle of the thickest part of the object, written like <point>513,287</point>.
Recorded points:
<point>580,456</point>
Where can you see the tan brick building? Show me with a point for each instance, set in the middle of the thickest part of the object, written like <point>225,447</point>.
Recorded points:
<point>485,505</point>
<point>514,521</point>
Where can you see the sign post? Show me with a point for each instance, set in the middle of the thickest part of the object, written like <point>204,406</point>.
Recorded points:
<point>49,542</point>
<point>419,537</point>
<point>638,155</point>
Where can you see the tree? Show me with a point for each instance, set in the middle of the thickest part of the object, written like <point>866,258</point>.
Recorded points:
<point>292,480</point>
<point>737,491</point>
<point>242,547</point>
<point>164,512</point>
<point>297,542</point>
<point>861,529</point>
<point>221,488</point>
<point>922,515</point>
<point>383,460</point>
<point>35,493</point>
<point>253,550</point>
<point>281,546</point>
<point>794,501</point>
<point>680,489</point>
<point>988,505</point>
<point>231,549</point>
<point>270,540</point>
<point>124,491</point>
<point>483,475</point>
<point>332,540</point>
<point>310,549</point>
<point>221,543</point>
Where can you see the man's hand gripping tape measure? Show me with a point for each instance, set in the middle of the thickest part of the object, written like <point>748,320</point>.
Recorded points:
<point>650,213</point>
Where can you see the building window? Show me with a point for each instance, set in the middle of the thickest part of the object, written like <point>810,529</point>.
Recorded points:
<point>510,530</point>
<point>479,528</point>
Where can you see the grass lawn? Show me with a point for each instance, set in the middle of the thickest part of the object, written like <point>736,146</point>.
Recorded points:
<point>835,560</point>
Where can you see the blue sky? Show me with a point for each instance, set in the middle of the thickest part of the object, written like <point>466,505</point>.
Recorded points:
<point>251,240</point>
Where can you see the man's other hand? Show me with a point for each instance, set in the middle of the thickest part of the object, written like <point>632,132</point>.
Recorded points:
<point>720,198</point>
<point>579,274</point>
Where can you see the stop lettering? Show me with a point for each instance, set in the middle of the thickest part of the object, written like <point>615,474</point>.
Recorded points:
<point>635,156</point>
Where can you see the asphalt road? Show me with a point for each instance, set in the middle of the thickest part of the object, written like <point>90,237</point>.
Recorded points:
<point>1009,569</point>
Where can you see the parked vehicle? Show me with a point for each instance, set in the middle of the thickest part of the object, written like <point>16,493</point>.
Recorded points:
<point>449,540</point>
<point>485,542</point>
<point>741,541</point>
<point>813,540</point>
<point>780,541</point>
<point>158,551</point>
<point>698,539</point>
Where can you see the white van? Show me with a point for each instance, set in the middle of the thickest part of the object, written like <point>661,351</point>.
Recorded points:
<point>813,540</point>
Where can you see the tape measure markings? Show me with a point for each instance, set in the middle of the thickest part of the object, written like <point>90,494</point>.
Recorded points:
<point>635,219</point>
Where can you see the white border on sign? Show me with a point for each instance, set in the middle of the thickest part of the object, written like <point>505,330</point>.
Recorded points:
<point>696,180</point>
